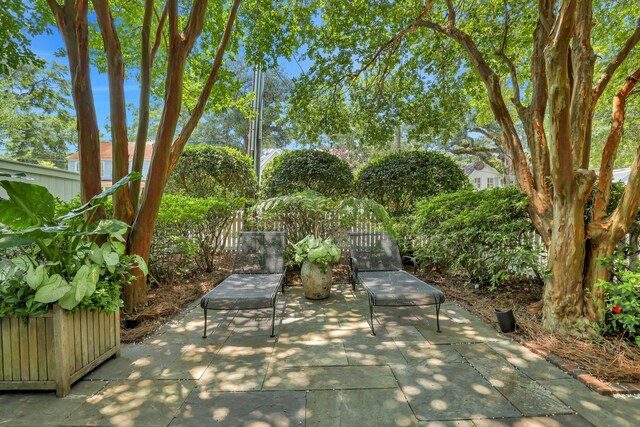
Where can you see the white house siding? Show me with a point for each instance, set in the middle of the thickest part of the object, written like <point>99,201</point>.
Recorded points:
<point>483,176</point>
<point>106,167</point>
<point>62,184</point>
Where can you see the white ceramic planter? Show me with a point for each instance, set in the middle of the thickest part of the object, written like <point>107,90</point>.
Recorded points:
<point>316,283</point>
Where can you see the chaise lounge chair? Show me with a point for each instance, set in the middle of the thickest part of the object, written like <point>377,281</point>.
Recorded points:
<point>258,272</point>
<point>377,266</point>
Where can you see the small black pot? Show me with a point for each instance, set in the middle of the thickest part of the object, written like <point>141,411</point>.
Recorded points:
<point>506,320</point>
<point>132,323</point>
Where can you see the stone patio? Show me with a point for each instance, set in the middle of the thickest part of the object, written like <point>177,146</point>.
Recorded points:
<point>325,369</point>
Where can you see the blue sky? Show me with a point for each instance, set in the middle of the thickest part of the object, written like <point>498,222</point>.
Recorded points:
<point>46,46</point>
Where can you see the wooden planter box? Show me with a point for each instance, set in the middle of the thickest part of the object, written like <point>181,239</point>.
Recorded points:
<point>53,351</point>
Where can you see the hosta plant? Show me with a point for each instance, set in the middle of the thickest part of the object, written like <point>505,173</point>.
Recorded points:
<point>317,251</point>
<point>67,259</point>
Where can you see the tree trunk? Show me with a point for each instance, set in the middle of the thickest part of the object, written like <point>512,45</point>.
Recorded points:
<point>563,292</point>
<point>598,247</point>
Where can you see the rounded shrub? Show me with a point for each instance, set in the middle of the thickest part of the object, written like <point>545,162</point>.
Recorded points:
<point>302,170</point>
<point>397,181</point>
<point>213,171</point>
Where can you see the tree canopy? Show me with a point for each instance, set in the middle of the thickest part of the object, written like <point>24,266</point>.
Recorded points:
<point>37,124</point>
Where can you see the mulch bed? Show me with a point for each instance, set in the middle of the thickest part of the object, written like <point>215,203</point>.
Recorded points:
<point>168,299</point>
<point>610,359</point>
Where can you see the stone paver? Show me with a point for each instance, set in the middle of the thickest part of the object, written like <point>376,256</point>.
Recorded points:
<point>273,408</point>
<point>526,395</point>
<point>345,408</point>
<point>132,403</point>
<point>329,377</point>
<point>598,410</point>
<point>450,392</point>
<point>325,369</point>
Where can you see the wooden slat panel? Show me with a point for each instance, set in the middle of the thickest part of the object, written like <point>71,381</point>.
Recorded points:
<point>103,346</point>
<point>110,331</point>
<point>96,334</point>
<point>71,340</point>
<point>51,357</point>
<point>15,349</point>
<point>42,349</point>
<point>89,344</point>
<point>33,350</point>
<point>77,340</point>
<point>84,343</point>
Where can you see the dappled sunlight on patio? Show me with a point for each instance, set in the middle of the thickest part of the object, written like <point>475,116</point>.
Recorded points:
<point>321,370</point>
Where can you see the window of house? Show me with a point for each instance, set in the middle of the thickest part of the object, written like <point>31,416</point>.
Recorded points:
<point>102,168</point>
<point>76,166</point>
<point>477,182</point>
<point>490,183</point>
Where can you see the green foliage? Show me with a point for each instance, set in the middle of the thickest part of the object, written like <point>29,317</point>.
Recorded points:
<point>69,259</point>
<point>231,126</point>
<point>317,251</point>
<point>189,233</point>
<point>399,180</point>
<point>17,23</point>
<point>310,213</point>
<point>37,124</point>
<point>301,170</point>
<point>622,300</point>
<point>486,235</point>
<point>211,171</point>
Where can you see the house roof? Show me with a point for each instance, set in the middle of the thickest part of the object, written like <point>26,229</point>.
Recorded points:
<point>478,166</point>
<point>106,151</point>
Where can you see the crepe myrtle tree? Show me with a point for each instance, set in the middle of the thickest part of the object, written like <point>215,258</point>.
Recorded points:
<point>533,65</point>
<point>176,50</point>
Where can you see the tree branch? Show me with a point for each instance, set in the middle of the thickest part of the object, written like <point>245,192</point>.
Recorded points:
<point>196,113</point>
<point>145,93</point>
<point>158,37</point>
<point>195,23</point>
<point>611,148</point>
<point>501,53</point>
<point>608,72</point>
<point>557,62</point>
<point>451,14</point>
<point>396,39</point>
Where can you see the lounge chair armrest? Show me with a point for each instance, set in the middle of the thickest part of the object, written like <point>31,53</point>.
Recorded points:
<point>413,261</point>
<point>353,266</point>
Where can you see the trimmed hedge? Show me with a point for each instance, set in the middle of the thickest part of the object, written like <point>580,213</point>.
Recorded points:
<point>213,171</point>
<point>189,233</point>
<point>397,181</point>
<point>301,170</point>
<point>486,235</point>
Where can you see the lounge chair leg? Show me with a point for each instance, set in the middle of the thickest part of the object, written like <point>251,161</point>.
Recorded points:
<point>438,317</point>
<point>204,335</point>
<point>273,320</point>
<point>373,332</point>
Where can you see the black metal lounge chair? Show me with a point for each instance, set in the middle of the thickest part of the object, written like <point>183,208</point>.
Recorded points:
<point>258,272</point>
<point>377,266</point>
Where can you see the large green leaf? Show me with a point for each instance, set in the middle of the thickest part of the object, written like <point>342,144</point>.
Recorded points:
<point>28,236</point>
<point>68,299</point>
<point>54,289</point>
<point>36,277</point>
<point>98,199</point>
<point>28,205</point>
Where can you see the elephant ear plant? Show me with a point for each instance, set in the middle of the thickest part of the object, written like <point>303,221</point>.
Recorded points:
<point>69,259</point>
<point>317,251</point>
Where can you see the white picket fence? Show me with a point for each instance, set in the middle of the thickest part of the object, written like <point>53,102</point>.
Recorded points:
<point>363,224</point>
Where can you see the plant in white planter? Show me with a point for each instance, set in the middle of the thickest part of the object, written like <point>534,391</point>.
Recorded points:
<point>316,256</point>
